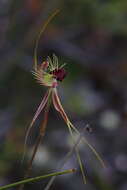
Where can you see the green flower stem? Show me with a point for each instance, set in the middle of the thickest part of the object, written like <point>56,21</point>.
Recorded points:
<point>37,178</point>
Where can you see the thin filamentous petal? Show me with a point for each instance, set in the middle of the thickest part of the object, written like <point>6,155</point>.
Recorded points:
<point>40,108</point>
<point>90,146</point>
<point>55,61</point>
<point>57,105</point>
<point>50,63</point>
<point>43,77</point>
<point>59,108</point>
<point>65,159</point>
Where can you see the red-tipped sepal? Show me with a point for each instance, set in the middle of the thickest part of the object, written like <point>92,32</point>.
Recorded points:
<point>58,106</point>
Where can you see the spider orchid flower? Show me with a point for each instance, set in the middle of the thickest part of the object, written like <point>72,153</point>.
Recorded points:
<point>49,74</point>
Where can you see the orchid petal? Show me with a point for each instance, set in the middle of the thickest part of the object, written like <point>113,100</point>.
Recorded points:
<point>40,108</point>
<point>43,77</point>
<point>65,159</point>
<point>58,106</point>
<point>90,146</point>
<point>44,65</point>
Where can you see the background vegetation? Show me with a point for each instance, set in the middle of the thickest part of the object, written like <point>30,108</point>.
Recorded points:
<point>91,36</point>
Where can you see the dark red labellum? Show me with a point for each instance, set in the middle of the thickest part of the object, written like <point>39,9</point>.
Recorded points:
<point>59,74</point>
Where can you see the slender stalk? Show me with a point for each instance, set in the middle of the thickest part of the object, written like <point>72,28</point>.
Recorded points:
<point>90,146</point>
<point>40,33</point>
<point>65,159</point>
<point>77,154</point>
<point>39,139</point>
<point>36,178</point>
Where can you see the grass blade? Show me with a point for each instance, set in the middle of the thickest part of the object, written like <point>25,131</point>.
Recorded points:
<point>34,179</point>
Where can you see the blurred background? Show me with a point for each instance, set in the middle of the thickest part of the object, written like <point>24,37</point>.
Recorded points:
<point>91,37</point>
